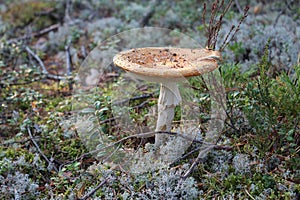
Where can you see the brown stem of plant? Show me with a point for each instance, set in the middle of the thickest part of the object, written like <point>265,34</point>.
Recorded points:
<point>203,16</point>
<point>215,24</point>
<point>236,29</point>
<point>39,150</point>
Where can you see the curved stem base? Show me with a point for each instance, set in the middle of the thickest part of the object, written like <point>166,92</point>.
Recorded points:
<point>169,98</point>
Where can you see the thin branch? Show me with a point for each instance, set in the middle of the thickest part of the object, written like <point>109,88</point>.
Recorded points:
<point>46,30</point>
<point>152,133</point>
<point>219,6</point>
<point>227,7</point>
<point>185,156</point>
<point>225,43</point>
<point>37,58</point>
<point>19,141</point>
<point>68,59</point>
<point>222,147</point>
<point>104,160</point>
<point>143,96</point>
<point>44,70</point>
<point>213,16</point>
<point>23,83</point>
<point>227,36</point>
<point>200,156</point>
<point>109,120</point>
<point>39,150</point>
<point>203,17</point>
<point>238,6</point>
<point>94,190</point>
<point>182,136</point>
<point>218,97</point>
<point>67,11</point>
<point>249,194</point>
<point>69,64</point>
<point>149,134</point>
<point>278,16</point>
<point>37,34</point>
<point>142,105</point>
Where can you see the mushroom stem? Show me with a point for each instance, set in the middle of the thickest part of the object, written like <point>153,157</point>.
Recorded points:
<point>169,98</point>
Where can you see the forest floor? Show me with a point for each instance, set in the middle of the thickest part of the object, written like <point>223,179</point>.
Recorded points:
<point>71,122</point>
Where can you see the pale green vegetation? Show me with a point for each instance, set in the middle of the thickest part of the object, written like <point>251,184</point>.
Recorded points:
<point>42,155</point>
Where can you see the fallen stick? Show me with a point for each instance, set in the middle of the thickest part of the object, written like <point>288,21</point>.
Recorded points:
<point>94,190</point>
<point>40,151</point>
<point>44,70</point>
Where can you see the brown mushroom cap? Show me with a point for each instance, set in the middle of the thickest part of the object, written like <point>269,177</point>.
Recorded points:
<point>168,62</point>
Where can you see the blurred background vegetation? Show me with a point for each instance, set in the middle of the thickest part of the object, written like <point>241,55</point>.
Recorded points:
<point>42,45</point>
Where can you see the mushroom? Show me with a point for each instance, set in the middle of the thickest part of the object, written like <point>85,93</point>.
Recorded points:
<point>167,66</point>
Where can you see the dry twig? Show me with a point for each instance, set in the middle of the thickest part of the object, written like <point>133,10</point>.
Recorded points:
<point>37,34</point>
<point>236,29</point>
<point>44,70</point>
<point>203,152</point>
<point>39,150</point>
<point>215,23</point>
<point>94,190</point>
<point>69,64</point>
<point>238,6</point>
<point>149,134</point>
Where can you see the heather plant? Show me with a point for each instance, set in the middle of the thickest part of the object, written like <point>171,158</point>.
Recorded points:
<point>216,17</point>
<point>269,124</point>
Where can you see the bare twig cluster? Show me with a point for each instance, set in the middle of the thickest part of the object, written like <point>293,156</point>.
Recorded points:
<point>213,27</point>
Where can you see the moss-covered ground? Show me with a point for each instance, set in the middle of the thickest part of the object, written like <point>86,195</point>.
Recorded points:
<point>43,155</point>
